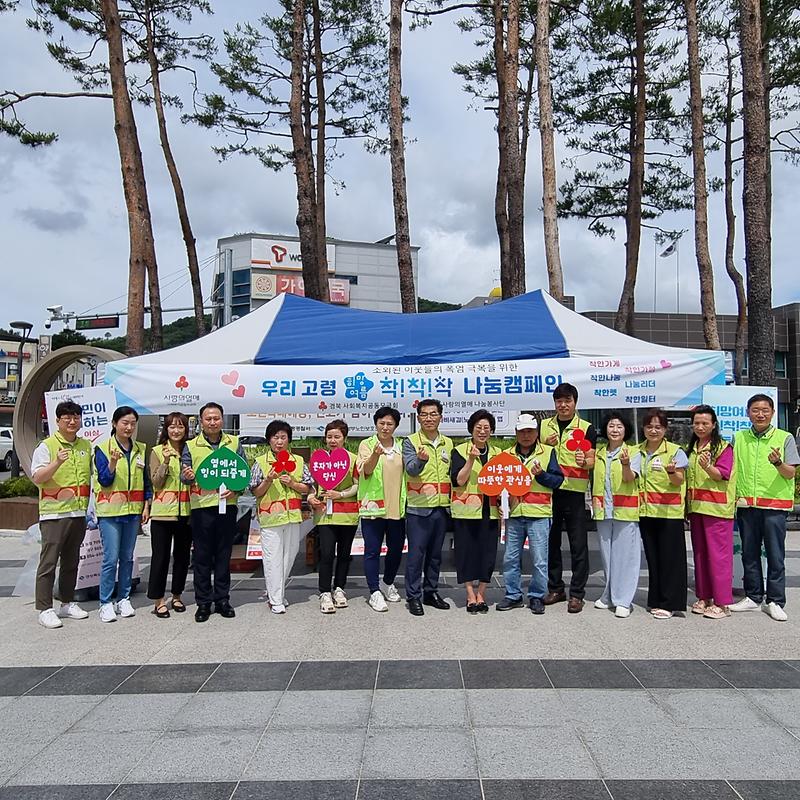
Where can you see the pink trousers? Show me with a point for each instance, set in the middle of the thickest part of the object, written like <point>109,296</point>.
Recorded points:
<point>712,544</point>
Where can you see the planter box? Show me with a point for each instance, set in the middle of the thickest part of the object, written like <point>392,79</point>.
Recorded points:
<point>18,513</point>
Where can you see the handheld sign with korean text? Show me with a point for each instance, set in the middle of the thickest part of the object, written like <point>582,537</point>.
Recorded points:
<point>329,469</point>
<point>224,470</point>
<point>504,475</point>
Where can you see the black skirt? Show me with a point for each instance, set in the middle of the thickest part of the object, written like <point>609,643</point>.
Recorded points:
<point>475,548</point>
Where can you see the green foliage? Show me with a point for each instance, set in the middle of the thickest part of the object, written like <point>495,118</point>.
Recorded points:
<point>424,305</point>
<point>67,337</point>
<point>18,487</point>
<point>179,332</point>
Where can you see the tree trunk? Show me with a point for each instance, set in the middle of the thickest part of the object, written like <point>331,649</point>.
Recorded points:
<point>755,200</point>
<point>501,188</point>
<point>142,247</point>
<point>301,156</point>
<point>177,185</point>
<point>730,231</point>
<point>633,213</point>
<point>397,155</point>
<point>555,276</point>
<point>514,283</point>
<point>704,266</point>
<point>320,172</point>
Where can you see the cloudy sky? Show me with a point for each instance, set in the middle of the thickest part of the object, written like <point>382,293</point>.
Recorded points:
<point>62,214</point>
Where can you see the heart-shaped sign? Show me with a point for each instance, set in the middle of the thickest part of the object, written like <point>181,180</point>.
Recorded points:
<point>504,471</point>
<point>238,391</point>
<point>578,441</point>
<point>329,469</point>
<point>283,462</point>
<point>223,466</point>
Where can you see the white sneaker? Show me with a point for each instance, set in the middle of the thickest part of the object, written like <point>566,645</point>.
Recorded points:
<point>745,604</point>
<point>776,612</point>
<point>326,604</point>
<point>125,609</point>
<point>49,619</point>
<point>72,611</point>
<point>107,613</point>
<point>279,609</point>
<point>600,604</point>
<point>622,612</point>
<point>377,602</point>
<point>390,592</point>
<point>339,598</point>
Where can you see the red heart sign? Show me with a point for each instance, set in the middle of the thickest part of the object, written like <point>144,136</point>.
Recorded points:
<point>329,469</point>
<point>283,462</point>
<point>238,391</point>
<point>504,471</point>
<point>578,441</point>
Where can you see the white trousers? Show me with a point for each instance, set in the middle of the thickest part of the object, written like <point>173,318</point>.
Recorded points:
<point>280,546</point>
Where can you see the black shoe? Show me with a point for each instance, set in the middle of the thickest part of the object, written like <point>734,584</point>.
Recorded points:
<point>536,605</point>
<point>203,612</point>
<point>472,608</point>
<point>225,609</point>
<point>433,599</point>
<point>506,604</point>
<point>415,607</point>
<point>482,607</point>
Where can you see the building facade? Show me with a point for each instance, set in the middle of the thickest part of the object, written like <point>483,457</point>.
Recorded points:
<point>253,268</point>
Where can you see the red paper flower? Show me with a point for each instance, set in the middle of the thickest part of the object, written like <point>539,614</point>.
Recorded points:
<point>283,462</point>
<point>578,441</point>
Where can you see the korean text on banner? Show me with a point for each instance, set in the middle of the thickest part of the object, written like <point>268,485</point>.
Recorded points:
<point>730,403</point>
<point>98,404</point>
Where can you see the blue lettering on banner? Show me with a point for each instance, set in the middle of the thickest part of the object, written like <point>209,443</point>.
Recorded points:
<point>325,388</point>
<point>605,377</point>
<point>279,388</point>
<point>511,384</point>
<point>605,392</point>
<point>641,399</point>
<point>357,386</point>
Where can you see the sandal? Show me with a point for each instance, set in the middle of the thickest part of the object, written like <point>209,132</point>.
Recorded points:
<point>701,606</point>
<point>178,606</point>
<point>661,613</point>
<point>162,612</point>
<point>717,612</point>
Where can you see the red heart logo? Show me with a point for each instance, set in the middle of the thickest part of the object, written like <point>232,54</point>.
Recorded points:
<point>283,462</point>
<point>181,383</point>
<point>665,364</point>
<point>230,378</point>
<point>415,404</point>
<point>329,469</point>
<point>322,406</point>
<point>238,391</point>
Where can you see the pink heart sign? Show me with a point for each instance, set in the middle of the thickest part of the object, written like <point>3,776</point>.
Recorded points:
<point>329,469</point>
<point>230,378</point>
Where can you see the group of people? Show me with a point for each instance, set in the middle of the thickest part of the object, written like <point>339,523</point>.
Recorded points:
<point>414,490</point>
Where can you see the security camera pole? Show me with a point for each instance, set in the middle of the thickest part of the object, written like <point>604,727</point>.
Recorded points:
<point>25,328</point>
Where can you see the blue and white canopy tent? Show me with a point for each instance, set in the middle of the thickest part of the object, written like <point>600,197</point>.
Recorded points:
<point>298,355</point>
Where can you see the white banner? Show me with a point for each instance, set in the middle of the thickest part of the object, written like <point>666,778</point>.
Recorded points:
<point>730,403</point>
<point>626,382</point>
<point>98,404</point>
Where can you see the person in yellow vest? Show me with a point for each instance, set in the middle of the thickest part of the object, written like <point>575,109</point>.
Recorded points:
<point>615,506</point>
<point>711,503</point>
<point>662,497</point>
<point>476,519</point>
<point>212,533</point>
<point>765,459</point>
<point>335,531</point>
<point>530,518</point>
<point>382,506</point>
<point>569,500</point>
<point>61,467</point>
<point>122,503</point>
<point>169,516</point>
<point>280,497</point>
<point>426,458</point>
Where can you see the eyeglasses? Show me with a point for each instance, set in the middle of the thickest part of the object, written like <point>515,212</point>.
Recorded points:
<point>70,417</point>
<point>428,414</point>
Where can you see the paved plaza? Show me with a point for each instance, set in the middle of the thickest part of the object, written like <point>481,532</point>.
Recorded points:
<point>392,707</point>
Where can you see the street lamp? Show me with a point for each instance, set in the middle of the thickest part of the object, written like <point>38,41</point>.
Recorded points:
<point>25,328</point>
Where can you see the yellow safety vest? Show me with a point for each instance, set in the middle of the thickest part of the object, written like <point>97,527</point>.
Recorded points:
<point>431,488</point>
<point>466,502</point>
<point>371,498</point>
<point>576,479</point>
<point>704,495</point>
<point>345,512</point>
<point>126,494</point>
<point>758,482</point>
<point>199,449</point>
<point>172,499</point>
<point>624,494</point>
<point>657,496</point>
<point>280,505</point>
<point>538,502</point>
<point>68,490</point>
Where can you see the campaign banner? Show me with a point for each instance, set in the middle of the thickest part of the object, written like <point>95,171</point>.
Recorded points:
<point>676,380</point>
<point>730,403</point>
<point>91,561</point>
<point>98,404</point>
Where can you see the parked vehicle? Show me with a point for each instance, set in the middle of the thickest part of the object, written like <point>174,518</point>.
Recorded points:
<point>6,448</point>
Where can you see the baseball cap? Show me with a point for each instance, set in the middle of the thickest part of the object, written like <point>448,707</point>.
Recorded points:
<point>526,422</point>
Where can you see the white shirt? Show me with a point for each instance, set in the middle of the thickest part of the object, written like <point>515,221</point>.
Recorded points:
<point>41,458</point>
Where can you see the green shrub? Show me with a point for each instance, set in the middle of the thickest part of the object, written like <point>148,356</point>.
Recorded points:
<point>18,487</point>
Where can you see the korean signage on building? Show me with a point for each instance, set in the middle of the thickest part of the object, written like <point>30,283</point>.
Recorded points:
<point>282,254</point>
<point>266,285</point>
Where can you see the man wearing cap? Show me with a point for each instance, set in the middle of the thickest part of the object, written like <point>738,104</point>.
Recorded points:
<point>530,518</point>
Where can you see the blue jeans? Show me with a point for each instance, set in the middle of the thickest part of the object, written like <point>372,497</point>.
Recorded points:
<point>119,538</point>
<point>767,525</point>
<point>536,530</point>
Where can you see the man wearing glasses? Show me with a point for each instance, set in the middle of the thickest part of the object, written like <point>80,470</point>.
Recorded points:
<point>426,458</point>
<point>61,467</point>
